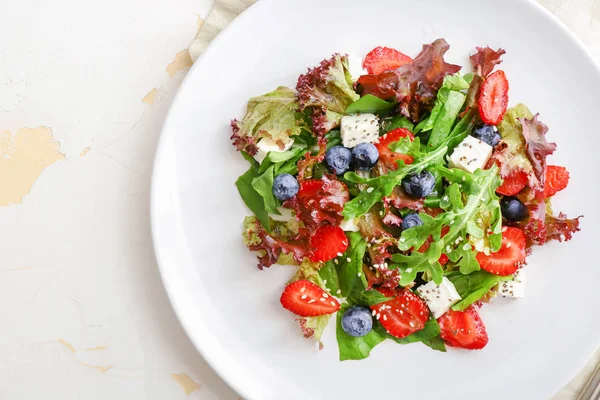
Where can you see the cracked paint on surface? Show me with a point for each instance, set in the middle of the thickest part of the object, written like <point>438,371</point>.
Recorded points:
<point>23,158</point>
<point>150,97</point>
<point>188,385</point>
<point>182,62</point>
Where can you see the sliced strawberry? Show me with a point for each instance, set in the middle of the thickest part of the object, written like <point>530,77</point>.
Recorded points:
<point>390,157</point>
<point>557,178</point>
<point>382,59</point>
<point>310,188</point>
<point>306,299</point>
<point>511,255</point>
<point>403,315</point>
<point>327,242</point>
<point>513,184</point>
<point>493,100</point>
<point>463,329</point>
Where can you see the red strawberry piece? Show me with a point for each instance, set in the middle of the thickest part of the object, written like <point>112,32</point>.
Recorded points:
<point>382,59</point>
<point>511,255</point>
<point>327,242</point>
<point>463,329</point>
<point>310,188</point>
<point>513,184</point>
<point>403,315</point>
<point>306,299</point>
<point>390,157</point>
<point>557,178</point>
<point>493,100</point>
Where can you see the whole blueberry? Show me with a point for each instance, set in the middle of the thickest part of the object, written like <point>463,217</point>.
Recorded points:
<point>357,321</point>
<point>411,220</point>
<point>364,156</point>
<point>487,134</point>
<point>285,186</point>
<point>338,159</point>
<point>419,185</point>
<point>513,210</point>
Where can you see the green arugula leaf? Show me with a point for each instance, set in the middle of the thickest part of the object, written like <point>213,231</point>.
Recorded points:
<point>253,163</point>
<point>474,286</point>
<point>395,122</point>
<point>429,331</point>
<point>355,348</point>
<point>263,185</point>
<point>381,186</point>
<point>370,104</point>
<point>349,271</point>
<point>253,200</point>
<point>472,211</point>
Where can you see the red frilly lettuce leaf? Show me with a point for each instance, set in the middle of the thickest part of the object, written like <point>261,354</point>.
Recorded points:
<point>485,59</point>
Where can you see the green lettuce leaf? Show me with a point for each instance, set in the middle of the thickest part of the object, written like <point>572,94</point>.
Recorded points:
<point>395,122</point>
<point>378,188</point>
<point>351,264</point>
<point>367,297</point>
<point>355,348</point>
<point>253,200</point>
<point>450,100</point>
<point>472,215</point>
<point>272,115</point>
<point>371,104</point>
<point>513,157</point>
<point>435,343</point>
<point>429,335</point>
<point>263,185</point>
<point>474,286</point>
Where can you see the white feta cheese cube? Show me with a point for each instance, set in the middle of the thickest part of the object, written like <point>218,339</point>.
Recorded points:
<point>359,128</point>
<point>515,288</point>
<point>350,225</point>
<point>355,67</point>
<point>470,154</point>
<point>265,145</point>
<point>439,298</point>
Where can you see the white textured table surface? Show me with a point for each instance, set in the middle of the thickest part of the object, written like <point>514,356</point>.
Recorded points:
<point>84,88</point>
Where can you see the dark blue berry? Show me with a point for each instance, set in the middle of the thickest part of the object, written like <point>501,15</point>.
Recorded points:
<point>411,220</point>
<point>357,321</point>
<point>419,185</point>
<point>285,186</point>
<point>364,156</point>
<point>487,134</point>
<point>513,210</point>
<point>338,159</point>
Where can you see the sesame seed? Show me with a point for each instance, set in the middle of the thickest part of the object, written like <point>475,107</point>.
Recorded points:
<point>374,313</point>
<point>335,260</point>
<point>401,312</point>
<point>333,303</point>
<point>324,281</point>
<point>411,324</point>
<point>322,299</point>
<point>339,291</point>
<point>339,254</point>
<point>348,259</point>
<point>508,245</point>
<point>359,274</point>
<point>369,190</point>
<point>464,178</point>
<point>409,270</point>
<point>378,316</point>
<point>303,296</point>
<point>303,289</point>
<point>311,301</point>
<point>402,240</point>
<point>384,317</point>
<point>325,295</point>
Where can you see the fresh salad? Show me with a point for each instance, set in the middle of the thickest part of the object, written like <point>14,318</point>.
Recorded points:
<point>406,194</point>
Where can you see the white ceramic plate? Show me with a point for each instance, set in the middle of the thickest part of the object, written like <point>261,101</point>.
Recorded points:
<point>231,310</point>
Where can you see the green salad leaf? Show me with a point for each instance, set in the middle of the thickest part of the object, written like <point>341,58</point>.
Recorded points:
<point>351,263</point>
<point>378,188</point>
<point>329,275</point>
<point>370,104</point>
<point>253,200</point>
<point>355,348</point>
<point>263,185</point>
<point>435,343</point>
<point>395,122</point>
<point>474,286</point>
<point>429,331</point>
<point>367,297</point>
<point>450,100</point>
<point>272,115</point>
<point>472,216</point>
